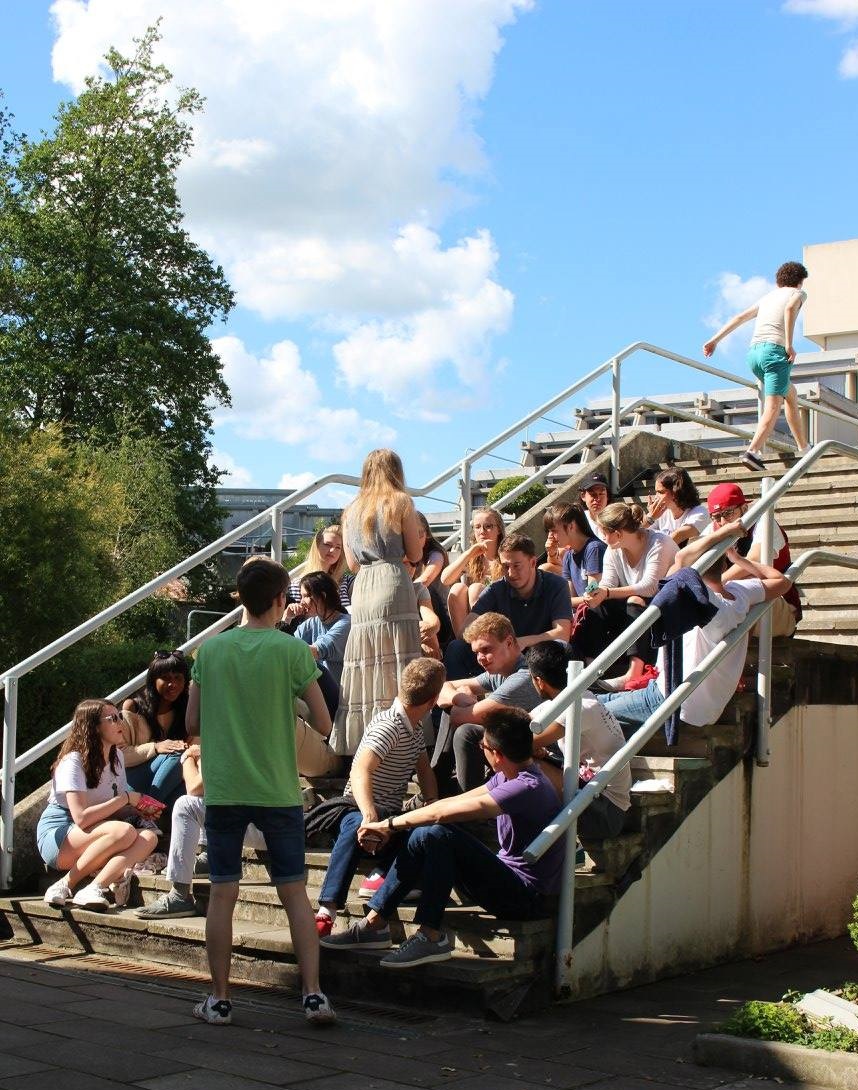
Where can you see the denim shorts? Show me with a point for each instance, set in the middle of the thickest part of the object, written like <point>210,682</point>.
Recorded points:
<point>770,363</point>
<point>281,826</point>
<point>51,832</point>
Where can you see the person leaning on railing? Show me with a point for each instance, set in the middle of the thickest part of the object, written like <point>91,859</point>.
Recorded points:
<point>733,599</point>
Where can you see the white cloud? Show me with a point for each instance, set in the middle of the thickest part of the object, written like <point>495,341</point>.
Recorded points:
<point>235,476</point>
<point>274,398</point>
<point>330,496</point>
<point>335,139</point>
<point>844,12</point>
<point>735,295</point>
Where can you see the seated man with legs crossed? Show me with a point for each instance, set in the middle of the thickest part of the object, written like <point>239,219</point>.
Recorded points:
<point>391,749</point>
<point>438,856</point>
<point>505,682</point>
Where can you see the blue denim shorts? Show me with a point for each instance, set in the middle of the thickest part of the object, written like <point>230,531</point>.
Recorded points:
<point>281,826</point>
<point>51,832</point>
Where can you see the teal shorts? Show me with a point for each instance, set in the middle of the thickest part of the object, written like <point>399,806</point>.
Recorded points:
<point>770,363</point>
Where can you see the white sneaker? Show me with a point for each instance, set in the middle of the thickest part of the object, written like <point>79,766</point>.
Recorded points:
<point>217,1012</point>
<point>318,1010</point>
<point>59,894</point>
<point>91,897</point>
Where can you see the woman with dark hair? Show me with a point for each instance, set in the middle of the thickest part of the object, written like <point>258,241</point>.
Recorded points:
<point>675,508</point>
<point>154,735</point>
<point>635,560</point>
<point>320,621</point>
<point>80,830</point>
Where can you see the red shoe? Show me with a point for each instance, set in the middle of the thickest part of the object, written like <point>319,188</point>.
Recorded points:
<point>372,885</point>
<point>324,924</point>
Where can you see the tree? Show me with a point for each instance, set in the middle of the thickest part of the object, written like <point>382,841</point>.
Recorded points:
<point>526,500</point>
<point>104,298</point>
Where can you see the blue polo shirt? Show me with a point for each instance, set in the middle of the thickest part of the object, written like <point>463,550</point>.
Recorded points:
<point>548,603</point>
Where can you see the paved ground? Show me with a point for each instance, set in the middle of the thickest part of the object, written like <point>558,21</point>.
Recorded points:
<point>74,1022</point>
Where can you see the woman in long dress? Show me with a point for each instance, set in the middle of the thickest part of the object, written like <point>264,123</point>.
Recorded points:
<point>380,530</point>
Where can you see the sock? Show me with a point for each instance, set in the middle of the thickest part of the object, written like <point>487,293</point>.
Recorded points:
<point>325,911</point>
<point>182,889</point>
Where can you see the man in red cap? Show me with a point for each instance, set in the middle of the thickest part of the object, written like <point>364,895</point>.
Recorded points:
<point>726,503</point>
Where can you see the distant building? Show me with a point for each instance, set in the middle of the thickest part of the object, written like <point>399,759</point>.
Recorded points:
<point>300,521</point>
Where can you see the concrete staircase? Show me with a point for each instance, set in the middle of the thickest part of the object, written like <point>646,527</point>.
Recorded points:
<point>820,510</point>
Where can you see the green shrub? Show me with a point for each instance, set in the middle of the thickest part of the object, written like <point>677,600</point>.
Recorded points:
<point>765,1022</point>
<point>831,1039</point>
<point>849,991</point>
<point>526,500</point>
<point>853,927</point>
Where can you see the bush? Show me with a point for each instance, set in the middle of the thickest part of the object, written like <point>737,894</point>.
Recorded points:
<point>853,927</point>
<point>525,501</point>
<point>766,1022</point>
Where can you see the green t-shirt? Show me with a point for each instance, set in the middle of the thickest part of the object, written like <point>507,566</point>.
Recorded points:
<point>248,680</point>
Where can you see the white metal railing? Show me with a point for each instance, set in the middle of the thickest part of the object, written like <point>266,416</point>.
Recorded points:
<point>13,764</point>
<point>568,702</point>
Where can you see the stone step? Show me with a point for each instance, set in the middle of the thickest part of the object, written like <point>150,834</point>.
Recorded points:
<point>263,954</point>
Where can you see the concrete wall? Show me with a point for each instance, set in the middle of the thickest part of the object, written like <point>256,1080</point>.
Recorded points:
<point>768,858</point>
<point>830,313</point>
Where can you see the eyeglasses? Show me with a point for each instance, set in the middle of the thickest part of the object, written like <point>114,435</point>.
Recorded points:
<point>176,653</point>
<point>725,515</point>
<point>487,749</point>
<point>115,718</point>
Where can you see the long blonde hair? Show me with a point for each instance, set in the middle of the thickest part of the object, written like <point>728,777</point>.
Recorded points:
<point>382,493</point>
<point>480,569</point>
<point>314,560</point>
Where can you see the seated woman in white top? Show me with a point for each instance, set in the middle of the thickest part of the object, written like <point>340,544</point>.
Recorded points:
<point>675,508</point>
<point>635,560</point>
<point>468,574</point>
<point>86,827</point>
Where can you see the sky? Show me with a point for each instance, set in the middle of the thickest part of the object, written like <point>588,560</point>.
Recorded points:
<point>436,214</point>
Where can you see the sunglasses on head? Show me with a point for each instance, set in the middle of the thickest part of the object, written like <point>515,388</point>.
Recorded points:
<point>176,653</point>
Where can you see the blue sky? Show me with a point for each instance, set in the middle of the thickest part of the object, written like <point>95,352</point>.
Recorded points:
<point>438,213</point>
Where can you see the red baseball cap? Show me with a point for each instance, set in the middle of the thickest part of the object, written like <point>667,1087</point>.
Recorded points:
<point>724,496</point>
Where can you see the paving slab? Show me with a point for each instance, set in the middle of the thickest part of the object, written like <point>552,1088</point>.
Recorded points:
<point>275,1069</point>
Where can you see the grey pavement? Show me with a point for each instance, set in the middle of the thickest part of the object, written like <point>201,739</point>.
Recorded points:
<point>71,1021</point>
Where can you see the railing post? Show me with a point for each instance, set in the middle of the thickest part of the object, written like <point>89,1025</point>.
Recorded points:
<point>761,405</point>
<point>277,536</point>
<point>7,804</point>
<point>566,909</point>
<point>615,425</point>
<point>465,505</point>
<point>764,639</point>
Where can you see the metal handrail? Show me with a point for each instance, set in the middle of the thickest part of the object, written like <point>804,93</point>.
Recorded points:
<point>10,678</point>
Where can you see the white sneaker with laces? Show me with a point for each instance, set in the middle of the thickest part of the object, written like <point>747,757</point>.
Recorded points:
<point>92,897</point>
<point>121,889</point>
<point>217,1012</point>
<point>59,894</point>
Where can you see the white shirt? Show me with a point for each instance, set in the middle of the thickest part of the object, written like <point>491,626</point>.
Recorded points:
<point>657,556</point>
<point>601,737</point>
<point>705,705</point>
<point>594,526</point>
<point>667,522</point>
<point>70,776</point>
<point>770,326</point>
<point>778,539</point>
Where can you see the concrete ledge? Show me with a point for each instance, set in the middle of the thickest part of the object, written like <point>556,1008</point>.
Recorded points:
<point>773,1059</point>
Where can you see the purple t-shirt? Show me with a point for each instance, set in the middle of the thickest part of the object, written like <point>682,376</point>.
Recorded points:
<point>528,803</point>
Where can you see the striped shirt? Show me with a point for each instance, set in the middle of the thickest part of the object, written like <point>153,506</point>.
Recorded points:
<point>344,587</point>
<point>392,738</point>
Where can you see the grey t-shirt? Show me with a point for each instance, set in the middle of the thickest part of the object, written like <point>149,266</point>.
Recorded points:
<point>516,690</point>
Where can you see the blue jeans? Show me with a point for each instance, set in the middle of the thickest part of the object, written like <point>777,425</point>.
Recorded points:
<point>281,826</point>
<point>161,777</point>
<point>344,860</point>
<point>632,709</point>
<point>437,858</point>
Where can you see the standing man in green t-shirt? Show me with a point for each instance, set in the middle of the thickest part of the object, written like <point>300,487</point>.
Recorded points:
<point>242,702</point>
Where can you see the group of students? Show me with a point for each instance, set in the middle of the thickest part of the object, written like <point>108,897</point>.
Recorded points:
<point>223,740</point>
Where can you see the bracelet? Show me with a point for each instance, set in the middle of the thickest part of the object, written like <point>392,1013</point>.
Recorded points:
<point>607,593</point>
<point>390,825</point>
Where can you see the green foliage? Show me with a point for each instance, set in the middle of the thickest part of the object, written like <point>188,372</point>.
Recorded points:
<point>783,1022</point>
<point>105,300</point>
<point>853,926</point>
<point>849,991</point>
<point>765,1022</point>
<point>526,500</point>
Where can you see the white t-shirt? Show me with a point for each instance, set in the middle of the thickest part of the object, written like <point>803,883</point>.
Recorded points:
<point>70,776</point>
<point>770,326</point>
<point>667,522</point>
<point>658,554</point>
<point>594,526</point>
<point>705,705</point>
<point>601,737</point>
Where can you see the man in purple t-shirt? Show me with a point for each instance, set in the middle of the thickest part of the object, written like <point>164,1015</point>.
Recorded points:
<point>438,857</point>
